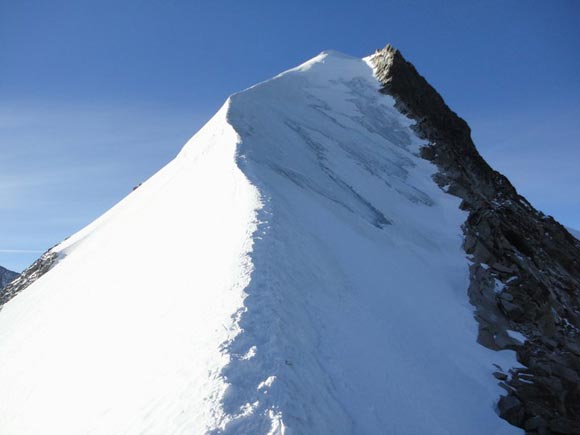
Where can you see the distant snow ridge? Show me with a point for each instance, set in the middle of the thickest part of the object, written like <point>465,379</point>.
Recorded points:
<point>574,232</point>
<point>6,276</point>
<point>294,270</point>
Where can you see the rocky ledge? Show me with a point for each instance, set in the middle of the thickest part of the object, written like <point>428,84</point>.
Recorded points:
<point>525,272</point>
<point>31,274</point>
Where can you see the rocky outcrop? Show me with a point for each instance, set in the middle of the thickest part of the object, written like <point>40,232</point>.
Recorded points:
<point>525,272</point>
<point>5,277</point>
<point>31,274</point>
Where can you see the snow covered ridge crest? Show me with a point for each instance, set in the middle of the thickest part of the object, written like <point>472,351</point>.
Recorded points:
<point>295,269</point>
<point>349,211</point>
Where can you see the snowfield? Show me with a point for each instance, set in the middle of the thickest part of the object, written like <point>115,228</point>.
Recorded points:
<point>295,270</point>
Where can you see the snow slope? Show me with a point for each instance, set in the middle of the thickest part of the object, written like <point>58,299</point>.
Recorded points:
<point>294,270</point>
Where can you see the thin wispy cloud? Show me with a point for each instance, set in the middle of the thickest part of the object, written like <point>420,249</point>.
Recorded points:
<point>21,251</point>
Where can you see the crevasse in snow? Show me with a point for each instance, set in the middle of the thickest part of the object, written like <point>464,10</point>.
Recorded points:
<point>294,270</point>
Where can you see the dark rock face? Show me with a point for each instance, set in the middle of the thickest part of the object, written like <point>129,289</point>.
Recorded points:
<point>525,275</point>
<point>5,277</point>
<point>31,274</point>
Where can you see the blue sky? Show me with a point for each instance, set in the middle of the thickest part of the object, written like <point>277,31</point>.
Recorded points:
<point>96,96</point>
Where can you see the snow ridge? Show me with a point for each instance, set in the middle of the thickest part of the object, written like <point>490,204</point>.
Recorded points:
<point>294,270</point>
<point>136,350</point>
<point>358,267</point>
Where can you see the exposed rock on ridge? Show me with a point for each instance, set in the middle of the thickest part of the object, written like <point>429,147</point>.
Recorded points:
<point>525,276</point>
<point>31,274</point>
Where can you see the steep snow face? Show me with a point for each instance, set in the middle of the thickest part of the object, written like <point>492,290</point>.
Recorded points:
<point>137,350</point>
<point>357,318</point>
<point>294,270</point>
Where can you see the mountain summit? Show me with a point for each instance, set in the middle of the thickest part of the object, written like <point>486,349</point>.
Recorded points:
<point>329,254</point>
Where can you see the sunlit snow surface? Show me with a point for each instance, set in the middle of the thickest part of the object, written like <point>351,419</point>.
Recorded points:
<point>294,270</point>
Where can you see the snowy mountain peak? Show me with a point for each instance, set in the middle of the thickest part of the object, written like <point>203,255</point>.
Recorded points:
<point>5,277</point>
<point>297,268</point>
